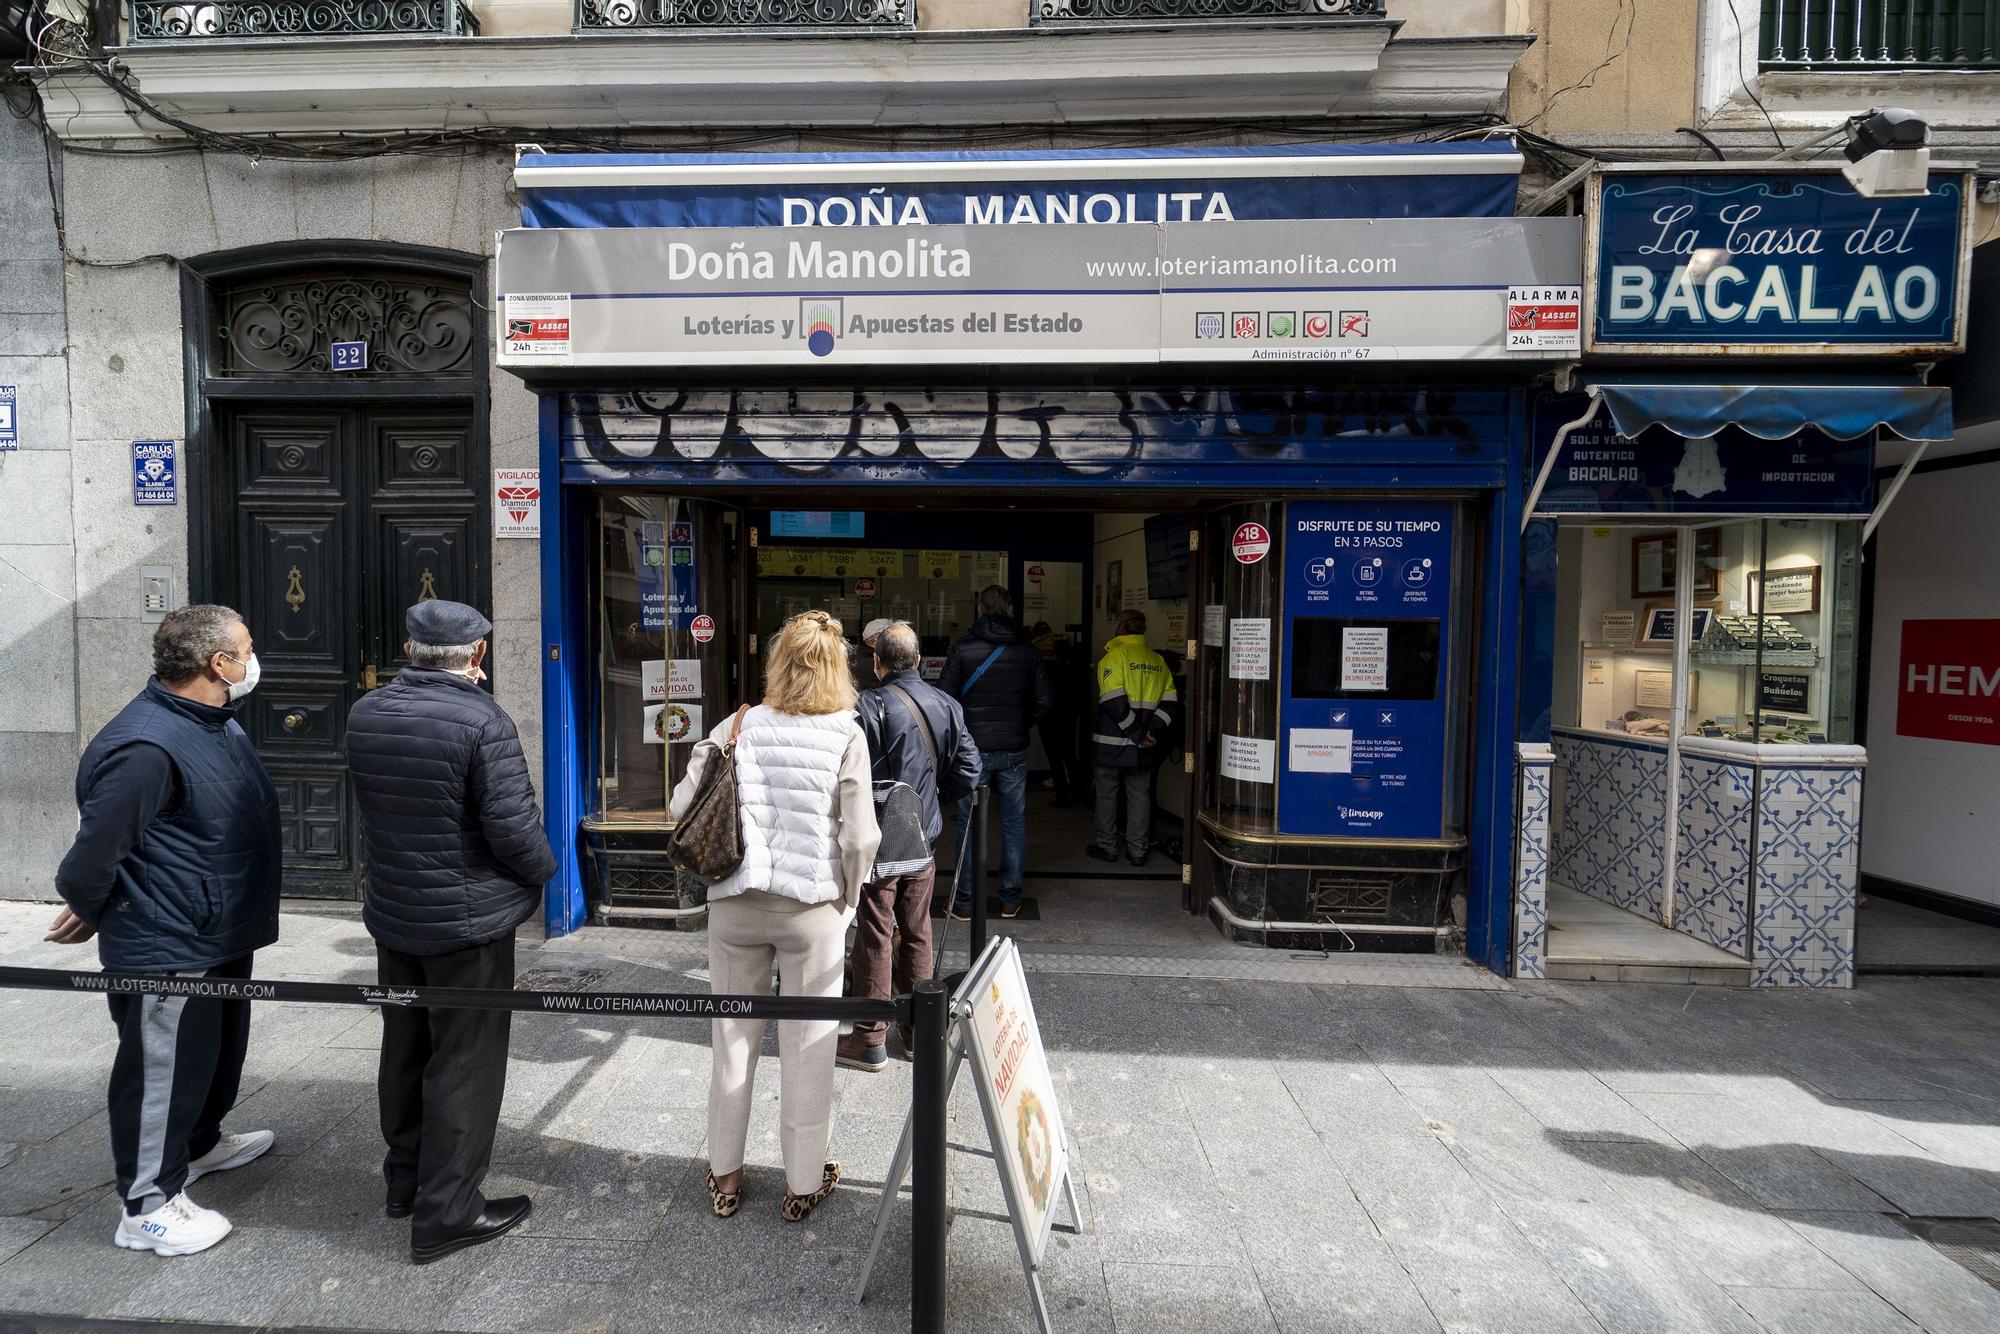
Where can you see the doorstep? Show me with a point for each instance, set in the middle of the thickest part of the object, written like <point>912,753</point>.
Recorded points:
<point>1593,941</point>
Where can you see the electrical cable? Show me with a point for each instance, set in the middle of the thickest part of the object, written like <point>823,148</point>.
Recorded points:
<point>1710,143</point>
<point>1611,57</point>
<point>1750,84</point>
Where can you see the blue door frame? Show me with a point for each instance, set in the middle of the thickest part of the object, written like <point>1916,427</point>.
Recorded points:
<point>1490,462</point>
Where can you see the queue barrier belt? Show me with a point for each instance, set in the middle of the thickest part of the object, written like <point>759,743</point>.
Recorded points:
<point>684,1005</point>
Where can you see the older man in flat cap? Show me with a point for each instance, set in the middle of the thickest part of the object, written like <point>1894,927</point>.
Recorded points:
<point>457,859</point>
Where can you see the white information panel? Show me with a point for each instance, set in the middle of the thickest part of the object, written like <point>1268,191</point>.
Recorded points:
<point>1249,649</point>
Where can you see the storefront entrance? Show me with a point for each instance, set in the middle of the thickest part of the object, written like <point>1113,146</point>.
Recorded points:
<point>1320,785</point>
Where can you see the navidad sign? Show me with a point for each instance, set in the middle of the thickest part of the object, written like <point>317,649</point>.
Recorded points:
<point>1705,258</point>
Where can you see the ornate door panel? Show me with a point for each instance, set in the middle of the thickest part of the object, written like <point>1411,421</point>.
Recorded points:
<point>426,534</point>
<point>341,518</point>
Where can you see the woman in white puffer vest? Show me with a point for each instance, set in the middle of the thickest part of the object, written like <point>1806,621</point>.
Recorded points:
<point>804,784</point>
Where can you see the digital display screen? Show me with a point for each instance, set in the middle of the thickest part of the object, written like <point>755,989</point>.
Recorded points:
<point>1321,647</point>
<point>816,523</point>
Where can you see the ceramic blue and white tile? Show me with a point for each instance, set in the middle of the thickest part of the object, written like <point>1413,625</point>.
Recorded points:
<point>1612,841</point>
<point>1531,886</point>
<point>1809,836</point>
<point>1713,857</point>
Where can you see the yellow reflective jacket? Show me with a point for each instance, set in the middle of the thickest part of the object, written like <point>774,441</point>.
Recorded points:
<point>1135,700</point>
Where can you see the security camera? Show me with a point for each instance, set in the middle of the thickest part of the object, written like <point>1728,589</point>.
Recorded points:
<point>1888,155</point>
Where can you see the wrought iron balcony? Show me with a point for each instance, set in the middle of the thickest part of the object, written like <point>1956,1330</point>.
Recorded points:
<point>641,15</point>
<point>225,20</point>
<point>1856,36</point>
<point>1080,12</point>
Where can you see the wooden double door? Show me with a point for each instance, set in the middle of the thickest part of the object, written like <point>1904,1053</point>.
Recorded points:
<point>333,520</point>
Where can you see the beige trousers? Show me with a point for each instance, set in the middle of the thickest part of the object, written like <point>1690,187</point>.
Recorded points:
<point>746,932</point>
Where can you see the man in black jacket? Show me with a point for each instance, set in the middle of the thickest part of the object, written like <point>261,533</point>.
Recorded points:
<point>456,861</point>
<point>916,735</point>
<point>175,870</point>
<point>1000,681</point>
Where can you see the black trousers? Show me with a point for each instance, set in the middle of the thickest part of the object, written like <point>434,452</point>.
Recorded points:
<point>176,1075</point>
<point>443,1075</point>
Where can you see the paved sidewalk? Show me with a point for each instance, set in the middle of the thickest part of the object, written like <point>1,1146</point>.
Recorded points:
<point>1253,1155</point>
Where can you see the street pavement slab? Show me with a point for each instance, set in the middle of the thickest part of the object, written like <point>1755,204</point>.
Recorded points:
<point>1314,1145</point>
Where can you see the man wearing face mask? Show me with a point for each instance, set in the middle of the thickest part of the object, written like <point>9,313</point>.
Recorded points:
<point>456,861</point>
<point>176,871</point>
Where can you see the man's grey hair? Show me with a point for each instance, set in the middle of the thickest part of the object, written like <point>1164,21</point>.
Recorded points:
<point>187,639</point>
<point>445,657</point>
<point>897,647</point>
<point>995,600</point>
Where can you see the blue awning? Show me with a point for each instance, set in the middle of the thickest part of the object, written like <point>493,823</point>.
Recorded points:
<point>1775,411</point>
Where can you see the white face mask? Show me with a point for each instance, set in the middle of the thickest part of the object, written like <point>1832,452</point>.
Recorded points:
<point>251,671</point>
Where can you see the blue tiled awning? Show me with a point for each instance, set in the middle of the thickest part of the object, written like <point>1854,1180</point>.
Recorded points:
<point>1775,411</point>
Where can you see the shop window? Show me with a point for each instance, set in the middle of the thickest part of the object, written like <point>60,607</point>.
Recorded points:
<point>663,681</point>
<point>1771,632</point>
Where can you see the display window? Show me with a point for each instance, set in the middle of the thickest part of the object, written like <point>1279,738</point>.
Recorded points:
<point>1768,652</point>
<point>666,666</point>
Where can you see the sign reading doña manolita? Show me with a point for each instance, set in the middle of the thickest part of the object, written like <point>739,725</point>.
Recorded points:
<point>1315,290</point>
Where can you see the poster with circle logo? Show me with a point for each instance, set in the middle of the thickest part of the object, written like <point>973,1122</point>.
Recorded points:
<point>1018,1091</point>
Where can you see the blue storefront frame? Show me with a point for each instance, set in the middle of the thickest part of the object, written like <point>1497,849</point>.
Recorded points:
<point>1279,441</point>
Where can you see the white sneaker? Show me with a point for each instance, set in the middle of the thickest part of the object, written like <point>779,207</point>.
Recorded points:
<point>178,1227</point>
<point>231,1151</point>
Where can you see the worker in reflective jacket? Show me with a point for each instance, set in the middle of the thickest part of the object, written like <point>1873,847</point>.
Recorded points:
<point>1135,703</point>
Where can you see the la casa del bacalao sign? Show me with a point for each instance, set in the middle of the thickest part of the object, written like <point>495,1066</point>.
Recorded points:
<point>1700,260</point>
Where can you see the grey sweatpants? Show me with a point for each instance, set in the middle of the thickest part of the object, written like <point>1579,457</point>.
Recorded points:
<point>1137,784</point>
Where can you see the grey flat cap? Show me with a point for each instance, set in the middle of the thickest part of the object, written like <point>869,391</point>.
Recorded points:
<point>441,622</point>
<point>873,628</point>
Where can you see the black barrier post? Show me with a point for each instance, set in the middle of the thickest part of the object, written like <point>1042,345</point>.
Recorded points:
<point>930,1006</point>
<point>982,815</point>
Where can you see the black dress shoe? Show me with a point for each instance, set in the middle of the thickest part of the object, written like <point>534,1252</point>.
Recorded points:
<point>498,1219</point>
<point>399,1208</point>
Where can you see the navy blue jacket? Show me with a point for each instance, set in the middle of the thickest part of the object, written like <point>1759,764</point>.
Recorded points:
<point>456,852</point>
<point>177,853</point>
<point>896,745</point>
<point>1012,695</point>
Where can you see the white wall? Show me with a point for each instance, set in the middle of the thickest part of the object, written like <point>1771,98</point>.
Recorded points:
<point>1931,809</point>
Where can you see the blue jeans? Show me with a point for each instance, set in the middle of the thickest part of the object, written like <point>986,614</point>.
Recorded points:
<point>1007,773</point>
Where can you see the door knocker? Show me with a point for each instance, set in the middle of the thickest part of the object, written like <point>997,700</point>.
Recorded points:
<point>295,591</point>
<point>427,587</point>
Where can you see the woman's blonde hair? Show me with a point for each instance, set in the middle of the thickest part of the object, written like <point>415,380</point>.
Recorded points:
<point>808,671</point>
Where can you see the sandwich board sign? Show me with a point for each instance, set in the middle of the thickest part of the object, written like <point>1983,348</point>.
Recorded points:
<point>993,1029</point>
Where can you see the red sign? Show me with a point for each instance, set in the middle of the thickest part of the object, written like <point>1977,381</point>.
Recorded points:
<point>864,590</point>
<point>519,500</point>
<point>1948,681</point>
<point>1545,316</point>
<point>1036,574</point>
<point>1252,543</point>
<point>702,628</point>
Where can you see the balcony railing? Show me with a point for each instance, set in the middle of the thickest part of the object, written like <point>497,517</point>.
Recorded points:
<point>223,20</point>
<point>641,15</point>
<point>1862,35</point>
<point>1167,11</point>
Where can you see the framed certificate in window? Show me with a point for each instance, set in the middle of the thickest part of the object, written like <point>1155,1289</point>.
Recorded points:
<point>1655,556</point>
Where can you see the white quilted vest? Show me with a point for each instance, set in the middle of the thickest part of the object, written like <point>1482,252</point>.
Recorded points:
<point>787,784</point>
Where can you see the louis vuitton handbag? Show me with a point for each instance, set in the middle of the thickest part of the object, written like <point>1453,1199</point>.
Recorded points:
<point>708,841</point>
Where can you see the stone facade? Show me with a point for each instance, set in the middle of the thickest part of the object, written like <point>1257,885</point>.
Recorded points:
<point>71,541</point>
<point>44,500</point>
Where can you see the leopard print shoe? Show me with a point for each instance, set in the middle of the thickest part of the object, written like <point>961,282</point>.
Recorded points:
<point>796,1208</point>
<point>723,1202</point>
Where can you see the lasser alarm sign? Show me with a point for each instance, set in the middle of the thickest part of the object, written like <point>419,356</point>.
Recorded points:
<point>1948,681</point>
